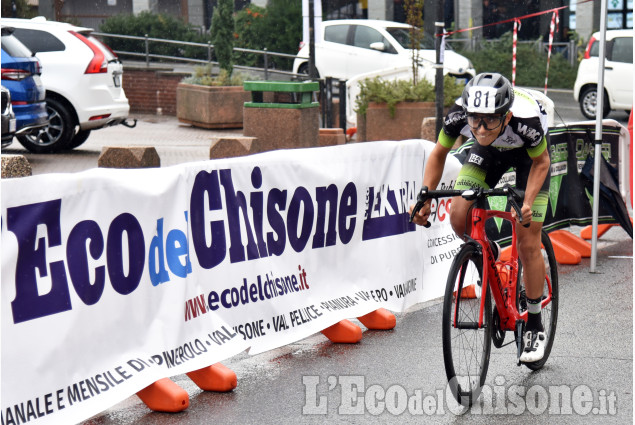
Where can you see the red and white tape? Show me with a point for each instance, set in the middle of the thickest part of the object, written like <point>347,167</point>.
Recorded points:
<point>554,21</point>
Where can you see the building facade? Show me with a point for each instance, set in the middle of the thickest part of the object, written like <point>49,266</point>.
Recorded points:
<point>483,15</point>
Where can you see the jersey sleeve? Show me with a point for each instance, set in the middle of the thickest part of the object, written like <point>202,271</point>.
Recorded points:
<point>535,151</point>
<point>531,132</point>
<point>453,123</point>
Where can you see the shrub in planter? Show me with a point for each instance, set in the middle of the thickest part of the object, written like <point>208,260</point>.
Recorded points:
<point>394,110</point>
<point>208,101</point>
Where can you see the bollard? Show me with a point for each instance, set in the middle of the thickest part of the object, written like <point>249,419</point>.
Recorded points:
<point>129,157</point>
<point>331,137</point>
<point>15,166</point>
<point>216,377</point>
<point>343,332</point>
<point>380,319</point>
<point>227,147</point>
<point>164,396</point>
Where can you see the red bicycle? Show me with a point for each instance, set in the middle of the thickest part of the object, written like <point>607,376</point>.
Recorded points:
<point>470,323</point>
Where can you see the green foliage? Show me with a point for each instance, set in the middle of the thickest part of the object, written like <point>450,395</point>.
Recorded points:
<point>278,28</point>
<point>531,66</point>
<point>222,33</point>
<point>392,92</point>
<point>22,9</point>
<point>155,26</point>
<point>202,75</point>
<point>251,26</point>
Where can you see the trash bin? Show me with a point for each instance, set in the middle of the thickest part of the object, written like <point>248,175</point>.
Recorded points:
<point>291,120</point>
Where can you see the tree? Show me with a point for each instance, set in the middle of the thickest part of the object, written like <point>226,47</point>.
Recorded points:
<point>223,34</point>
<point>414,18</point>
<point>22,9</point>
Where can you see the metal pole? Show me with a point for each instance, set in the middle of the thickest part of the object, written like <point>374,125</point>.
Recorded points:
<point>266,65</point>
<point>312,70</point>
<point>438,81</point>
<point>598,135</point>
<point>209,51</point>
<point>342,95</point>
<point>147,52</point>
<point>323,102</point>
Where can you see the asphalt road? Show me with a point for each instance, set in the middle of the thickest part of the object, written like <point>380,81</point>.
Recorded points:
<point>311,381</point>
<point>316,381</point>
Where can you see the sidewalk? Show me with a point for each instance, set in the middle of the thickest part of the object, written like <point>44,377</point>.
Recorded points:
<point>175,143</point>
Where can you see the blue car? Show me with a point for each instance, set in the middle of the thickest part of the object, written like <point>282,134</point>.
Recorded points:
<point>21,75</point>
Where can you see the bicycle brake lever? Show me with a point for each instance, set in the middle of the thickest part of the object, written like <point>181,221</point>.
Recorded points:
<point>512,195</point>
<point>415,210</point>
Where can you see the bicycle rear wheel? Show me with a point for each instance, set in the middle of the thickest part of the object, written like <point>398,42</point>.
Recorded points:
<point>549,312</point>
<point>466,348</point>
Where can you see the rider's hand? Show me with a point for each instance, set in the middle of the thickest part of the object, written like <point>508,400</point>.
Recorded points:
<point>526,212</point>
<point>421,218</point>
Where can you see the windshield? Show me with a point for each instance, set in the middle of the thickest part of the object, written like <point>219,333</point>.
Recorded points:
<point>402,35</point>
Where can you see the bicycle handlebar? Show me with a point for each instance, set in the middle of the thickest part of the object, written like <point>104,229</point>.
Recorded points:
<point>514,196</point>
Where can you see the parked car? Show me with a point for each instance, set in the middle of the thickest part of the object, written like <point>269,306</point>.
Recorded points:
<point>8,118</point>
<point>82,77</point>
<point>618,74</point>
<point>349,47</point>
<point>21,76</point>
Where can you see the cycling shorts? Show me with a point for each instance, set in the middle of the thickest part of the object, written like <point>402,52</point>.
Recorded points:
<point>485,165</point>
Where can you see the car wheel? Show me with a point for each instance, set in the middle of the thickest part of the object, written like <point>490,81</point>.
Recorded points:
<point>57,135</point>
<point>589,102</point>
<point>304,70</point>
<point>79,139</point>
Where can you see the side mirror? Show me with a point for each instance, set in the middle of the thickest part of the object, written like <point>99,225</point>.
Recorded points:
<point>378,45</point>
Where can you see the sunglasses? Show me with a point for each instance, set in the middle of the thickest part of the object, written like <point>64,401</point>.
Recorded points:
<point>490,122</point>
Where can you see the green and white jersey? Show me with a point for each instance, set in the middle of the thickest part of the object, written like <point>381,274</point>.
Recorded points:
<point>526,129</point>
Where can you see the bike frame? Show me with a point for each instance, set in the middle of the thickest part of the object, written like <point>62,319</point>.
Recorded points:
<point>503,289</point>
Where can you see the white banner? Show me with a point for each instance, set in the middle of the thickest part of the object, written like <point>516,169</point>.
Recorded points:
<point>113,279</point>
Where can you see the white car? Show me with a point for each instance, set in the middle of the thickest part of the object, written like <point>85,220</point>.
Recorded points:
<point>82,77</point>
<point>350,47</point>
<point>618,74</point>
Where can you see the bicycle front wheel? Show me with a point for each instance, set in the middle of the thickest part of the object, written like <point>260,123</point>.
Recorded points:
<point>466,346</point>
<point>549,313</point>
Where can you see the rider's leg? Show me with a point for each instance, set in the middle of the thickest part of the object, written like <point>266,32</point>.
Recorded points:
<point>459,216</point>
<point>529,251</point>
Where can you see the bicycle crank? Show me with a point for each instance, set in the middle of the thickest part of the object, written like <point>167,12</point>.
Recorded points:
<point>498,337</point>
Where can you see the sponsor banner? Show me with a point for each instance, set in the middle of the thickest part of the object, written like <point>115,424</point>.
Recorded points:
<point>569,200</point>
<point>113,279</point>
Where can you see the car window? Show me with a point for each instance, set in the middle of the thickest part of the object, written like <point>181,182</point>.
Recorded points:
<point>14,48</point>
<point>365,36</point>
<point>336,33</point>
<point>622,50</point>
<point>594,51</point>
<point>402,35</point>
<point>39,41</point>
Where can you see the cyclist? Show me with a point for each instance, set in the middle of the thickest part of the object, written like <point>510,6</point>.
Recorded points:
<point>509,127</point>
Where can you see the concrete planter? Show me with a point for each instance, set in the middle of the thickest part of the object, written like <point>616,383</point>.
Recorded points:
<point>211,107</point>
<point>377,124</point>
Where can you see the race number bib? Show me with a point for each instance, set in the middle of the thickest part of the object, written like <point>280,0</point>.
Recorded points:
<point>481,100</point>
